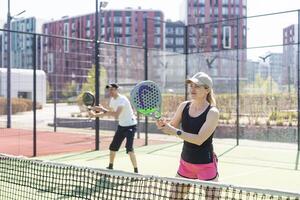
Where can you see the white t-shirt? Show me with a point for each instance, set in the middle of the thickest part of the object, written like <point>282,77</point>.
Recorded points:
<point>126,117</point>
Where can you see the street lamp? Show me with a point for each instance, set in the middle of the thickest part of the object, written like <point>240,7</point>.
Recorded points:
<point>8,70</point>
<point>103,4</point>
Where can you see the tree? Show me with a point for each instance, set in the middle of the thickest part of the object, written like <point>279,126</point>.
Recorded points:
<point>261,86</point>
<point>89,85</point>
<point>48,89</point>
<point>70,90</point>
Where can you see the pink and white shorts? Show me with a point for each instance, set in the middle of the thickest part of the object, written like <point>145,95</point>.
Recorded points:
<point>205,172</point>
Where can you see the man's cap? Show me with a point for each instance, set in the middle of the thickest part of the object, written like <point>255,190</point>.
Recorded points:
<point>201,78</point>
<point>112,85</point>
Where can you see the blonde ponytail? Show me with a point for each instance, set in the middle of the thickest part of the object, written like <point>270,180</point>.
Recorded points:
<point>211,98</point>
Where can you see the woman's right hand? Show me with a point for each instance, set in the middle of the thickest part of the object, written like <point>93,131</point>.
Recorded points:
<point>161,123</point>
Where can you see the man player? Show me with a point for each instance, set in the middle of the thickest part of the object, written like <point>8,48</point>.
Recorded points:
<point>120,108</point>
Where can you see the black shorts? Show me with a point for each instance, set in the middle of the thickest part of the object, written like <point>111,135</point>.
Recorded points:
<point>122,133</point>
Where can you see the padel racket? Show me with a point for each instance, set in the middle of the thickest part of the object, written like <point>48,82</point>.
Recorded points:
<point>88,99</point>
<point>146,99</point>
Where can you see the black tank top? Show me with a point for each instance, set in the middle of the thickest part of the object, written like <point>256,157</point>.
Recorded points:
<point>192,153</point>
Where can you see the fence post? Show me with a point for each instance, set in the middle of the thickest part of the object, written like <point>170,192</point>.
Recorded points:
<point>116,63</point>
<point>186,53</point>
<point>97,73</point>
<point>8,72</point>
<point>237,87</point>
<point>34,93</point>
<point>146,74</point>
<point>55,97</point>
<point>298,82</point>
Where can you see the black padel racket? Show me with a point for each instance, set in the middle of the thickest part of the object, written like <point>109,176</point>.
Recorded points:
<point>88,99</point>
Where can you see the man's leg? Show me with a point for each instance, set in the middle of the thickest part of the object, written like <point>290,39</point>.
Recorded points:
<point>133,161</point>
<point>112,155</point>
<point>115,146</point>
<point>129,147</point>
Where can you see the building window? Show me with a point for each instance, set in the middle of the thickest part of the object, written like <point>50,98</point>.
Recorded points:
<point>191,30</point>
<point>128,40</point>
<point>88,33</point>
<point>192,41</point>
<point>102,32</point>
<point>117,20</point>
<point>179,31</point>
<point>66,34</point>
<point>169,41</point>
<point>216,11</point>
<point>157,41</point>
<point>195,12</point>
<point>50,62</point>
<point>224,10</point>
<point>169,30</point>
<point>117,30</point>
<point>127,30</point>
<point>157,30</point>
<point>128,20</point>
<point>215,30</point>
<point>179,41</point>
<point>215,41</point>
<point>226,37</point>
<point>157,20</point>
<point>88,23</point>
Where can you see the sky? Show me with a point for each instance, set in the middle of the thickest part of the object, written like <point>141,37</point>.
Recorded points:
<point>48,9</point>
<point>259,29</point>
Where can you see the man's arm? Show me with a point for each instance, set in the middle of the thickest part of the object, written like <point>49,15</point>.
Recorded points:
<point>110,112</point>
<point>107,112</point>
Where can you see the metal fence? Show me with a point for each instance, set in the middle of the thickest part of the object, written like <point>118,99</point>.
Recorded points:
<point>253,63</point>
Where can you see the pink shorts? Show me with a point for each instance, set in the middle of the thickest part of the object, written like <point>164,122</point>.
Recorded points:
<point>203,172</point>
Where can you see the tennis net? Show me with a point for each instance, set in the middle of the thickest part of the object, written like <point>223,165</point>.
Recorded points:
<point>22,178</point>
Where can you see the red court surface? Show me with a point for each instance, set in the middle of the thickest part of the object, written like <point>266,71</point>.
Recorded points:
<point>20,142</point>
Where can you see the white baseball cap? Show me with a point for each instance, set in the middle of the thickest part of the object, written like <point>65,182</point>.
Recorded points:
<point>201,78</point>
